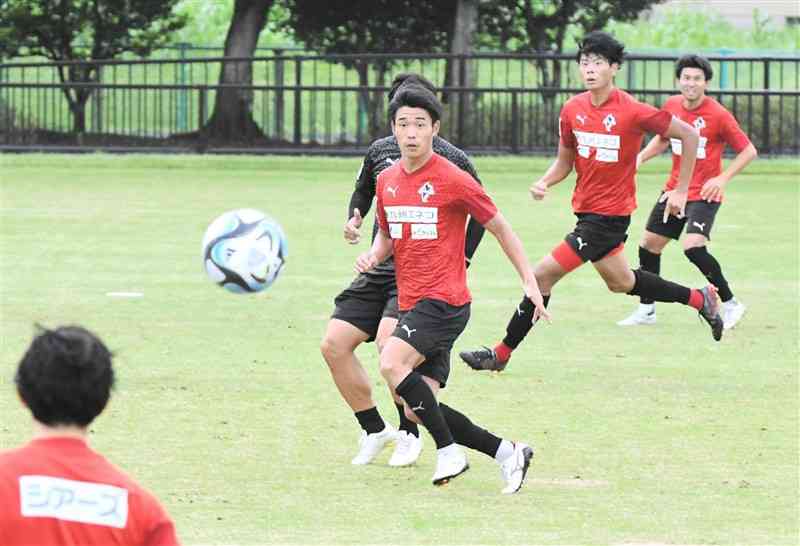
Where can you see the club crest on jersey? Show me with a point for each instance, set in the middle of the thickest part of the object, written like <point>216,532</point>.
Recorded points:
<point>581,118</point>
<point>609,122</point>
<point>425,191</point>
<point>699,123</point>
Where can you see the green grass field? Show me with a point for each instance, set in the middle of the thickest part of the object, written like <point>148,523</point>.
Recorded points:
<point>225,409</point>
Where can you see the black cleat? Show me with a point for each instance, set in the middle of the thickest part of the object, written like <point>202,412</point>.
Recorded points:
<point>483,359</point>
<point>710,311</point>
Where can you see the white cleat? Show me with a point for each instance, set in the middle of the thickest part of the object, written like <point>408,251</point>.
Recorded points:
<point>515,467</point>
<point>370,445</point>
<point>732,312</point>
<point>450,462</point>
<point>644,314</point>
<point>406,449</point>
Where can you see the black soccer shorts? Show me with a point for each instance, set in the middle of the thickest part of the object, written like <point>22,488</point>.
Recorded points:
<point>699,218</point>
<point>432,327</point>
<point>596,235</point>
<point>367,300</point>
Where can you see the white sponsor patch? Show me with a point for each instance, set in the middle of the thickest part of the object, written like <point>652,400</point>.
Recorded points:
<point>412,215</point>
<point>70,500</point>
<point>396,231</point>
<point>677,147</point>
<point>608,156</point>
<point>597,140</point>
<point>424,231</point>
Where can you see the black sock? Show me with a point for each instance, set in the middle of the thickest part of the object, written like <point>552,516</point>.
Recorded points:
<point>710,268</point>
<point>657,289</point>
<point>520,323</point>
<point>649,261</point>
<point>406,424</point>
<point>370,420</point>
<point>466,433</point>
<point>422,402</point>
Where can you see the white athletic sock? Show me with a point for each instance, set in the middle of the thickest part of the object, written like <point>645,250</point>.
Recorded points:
<point>505,451</point>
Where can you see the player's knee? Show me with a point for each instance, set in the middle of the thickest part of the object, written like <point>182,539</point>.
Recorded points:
<point>621,285</point>
<point>332,350</point>
<point>387,367</point>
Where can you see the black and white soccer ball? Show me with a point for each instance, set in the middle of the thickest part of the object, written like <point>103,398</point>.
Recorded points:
<point>244,251</point>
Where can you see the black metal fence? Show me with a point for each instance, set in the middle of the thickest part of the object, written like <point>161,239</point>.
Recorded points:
<point>336,104</point>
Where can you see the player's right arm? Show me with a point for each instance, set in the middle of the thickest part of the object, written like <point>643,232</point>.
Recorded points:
<point>557,172</point>
<point>380,250</point>
<point>360,201</point>
<point>655,147</point>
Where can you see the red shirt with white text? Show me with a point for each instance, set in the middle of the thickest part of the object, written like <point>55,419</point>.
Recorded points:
<point>58,491</point>
<point>425,214</point>
<point>717,127</point>
<point>606,140</point>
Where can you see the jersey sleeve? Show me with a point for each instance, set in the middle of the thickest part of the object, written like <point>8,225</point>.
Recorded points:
<point>477,202</point>
<point>160,527</point>
<point>475,229</point>
<point>364,191</point>
<point>733,135</point>
<point>565,134</point>
<point>380,214</point>
<point>652,120</point>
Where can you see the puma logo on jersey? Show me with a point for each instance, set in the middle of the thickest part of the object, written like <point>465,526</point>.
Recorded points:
<point>581,118</point>
<point>699,226</point>
<point>609,122</point>
<point>408,330</point>
<point>418,408</point>
<point>392,190</point>
<point>581,244</point>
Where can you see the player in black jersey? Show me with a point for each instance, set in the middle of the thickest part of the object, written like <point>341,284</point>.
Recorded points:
<point>367,309</point>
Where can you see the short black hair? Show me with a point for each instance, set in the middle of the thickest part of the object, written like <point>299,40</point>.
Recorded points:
<point>409,78</point>
<point>694,61</point>
<point>416,96</point>
<point>603,44</point>
<point>65,376</point>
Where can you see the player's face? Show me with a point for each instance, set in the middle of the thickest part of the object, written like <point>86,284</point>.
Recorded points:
<point>596,72</point>
<point>414,130</point>
<point>692,83</point>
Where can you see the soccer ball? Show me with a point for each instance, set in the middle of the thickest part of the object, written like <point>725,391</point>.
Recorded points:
<point>244,250</point>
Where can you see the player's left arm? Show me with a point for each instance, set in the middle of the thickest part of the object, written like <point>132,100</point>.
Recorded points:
<point>689,137</point>
<point>733,135</point>
<point>475,229</point>
<point>512,246</point>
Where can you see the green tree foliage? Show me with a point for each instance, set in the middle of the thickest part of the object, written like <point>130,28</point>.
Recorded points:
<point>371,26</point>
<point>543,25</point>
<point>84,30</point>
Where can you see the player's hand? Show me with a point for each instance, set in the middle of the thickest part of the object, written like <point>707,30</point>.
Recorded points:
<point>538,190</point>
<point>365,262</point>
<point>351,233</point>
<point>531,289</point>
<point>713,188</point>
<point>676,204</point>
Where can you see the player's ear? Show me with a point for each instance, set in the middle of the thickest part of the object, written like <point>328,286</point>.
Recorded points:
<point>391,122</point>
<point>436,125</point>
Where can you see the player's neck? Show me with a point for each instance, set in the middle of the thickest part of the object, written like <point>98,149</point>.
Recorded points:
<point>411,164</point>
<point>693,104</point>
<point>42,431</point>
<point>599,96</point>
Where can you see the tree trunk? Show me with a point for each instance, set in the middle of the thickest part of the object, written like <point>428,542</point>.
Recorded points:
<point>232,118</point>
<point>461,75</point>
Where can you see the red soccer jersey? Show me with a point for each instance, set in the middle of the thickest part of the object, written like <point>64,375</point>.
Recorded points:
<point>425,214</point>
<point>606,139</point>
<point>717,128</point>
<point>57,491</point>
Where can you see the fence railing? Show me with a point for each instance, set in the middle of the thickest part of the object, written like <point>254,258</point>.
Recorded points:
<point>144,104</point>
